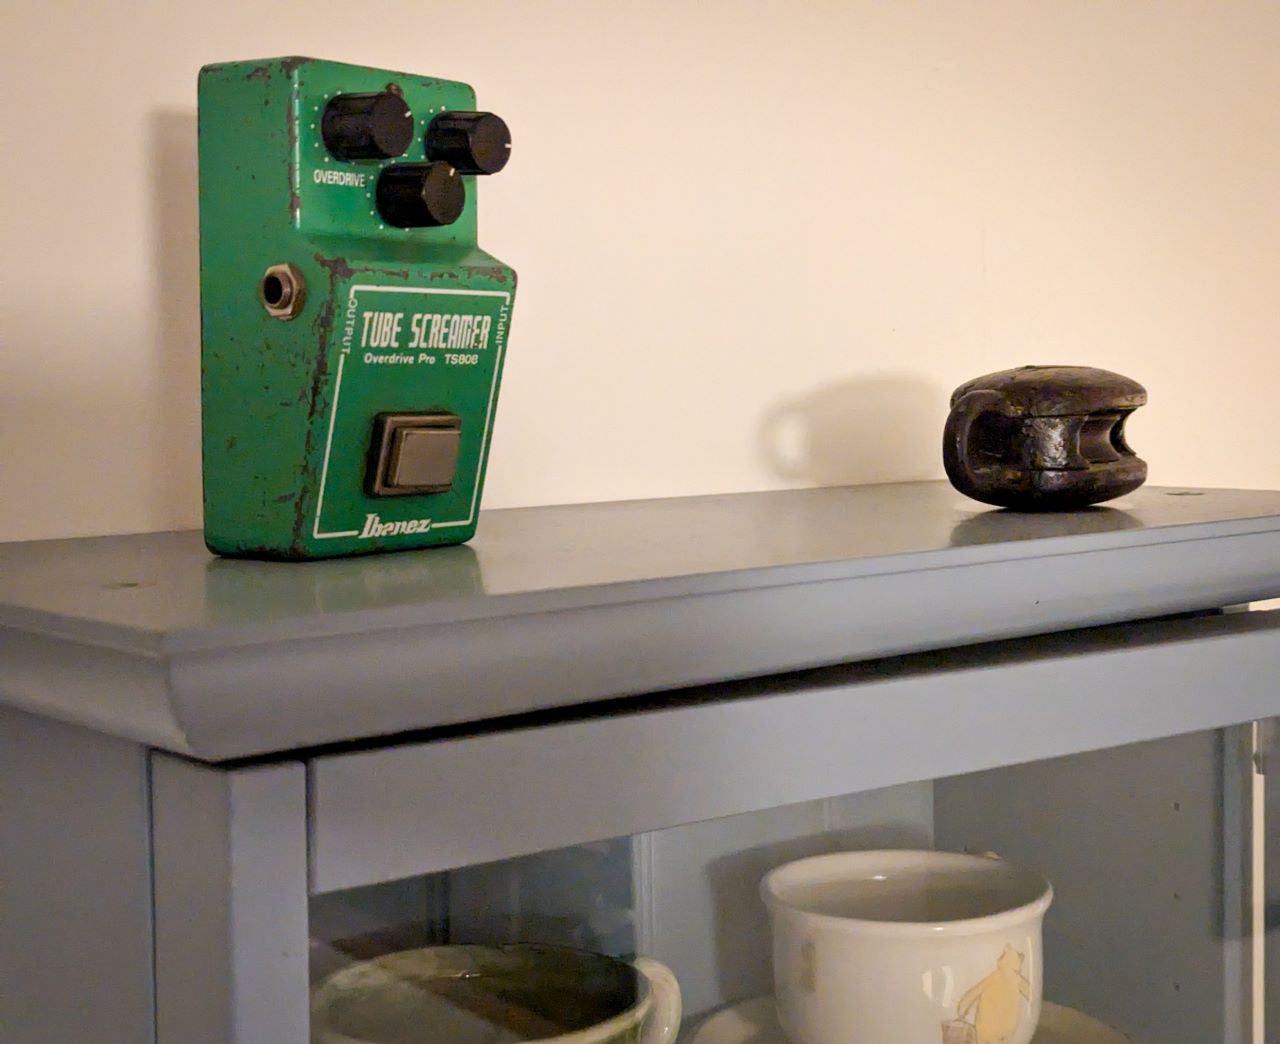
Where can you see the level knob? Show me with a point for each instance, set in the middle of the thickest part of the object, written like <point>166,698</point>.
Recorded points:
<point>471,142</point>
<point>420,195</point>
<point>367,126</point>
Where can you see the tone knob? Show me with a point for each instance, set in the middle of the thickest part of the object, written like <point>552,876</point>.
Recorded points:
<point>471,142</point>
<point>420,195</point>
<point>367,126</point>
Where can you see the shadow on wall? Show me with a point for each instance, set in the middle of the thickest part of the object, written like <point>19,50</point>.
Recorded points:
<point>882,428</point>
<point>175,262</point>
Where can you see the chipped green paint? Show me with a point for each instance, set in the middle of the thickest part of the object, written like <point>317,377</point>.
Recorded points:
<point>288,405</point>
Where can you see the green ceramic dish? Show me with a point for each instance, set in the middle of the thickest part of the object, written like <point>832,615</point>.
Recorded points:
<point>497,995</point>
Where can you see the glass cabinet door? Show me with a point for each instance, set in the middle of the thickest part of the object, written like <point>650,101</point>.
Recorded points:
<point>1150,849</point>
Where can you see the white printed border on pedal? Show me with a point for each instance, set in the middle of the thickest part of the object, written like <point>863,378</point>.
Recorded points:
<point>337,390</point>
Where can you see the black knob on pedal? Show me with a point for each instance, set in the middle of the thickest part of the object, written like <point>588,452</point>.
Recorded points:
<point>367,126</point>
<point>472,142</point>
<point>420,195</point>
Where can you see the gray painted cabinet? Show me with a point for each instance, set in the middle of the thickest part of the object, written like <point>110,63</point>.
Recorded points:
<point>601,724</point>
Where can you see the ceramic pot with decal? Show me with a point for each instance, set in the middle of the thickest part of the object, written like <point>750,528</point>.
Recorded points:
<point>891,947</point>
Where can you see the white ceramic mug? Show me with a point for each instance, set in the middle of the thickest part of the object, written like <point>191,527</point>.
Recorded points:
<point>490,994</point>
<point>905,947</point>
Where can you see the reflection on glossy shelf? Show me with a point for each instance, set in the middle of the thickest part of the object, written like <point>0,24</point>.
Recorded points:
<point>755,1022</point>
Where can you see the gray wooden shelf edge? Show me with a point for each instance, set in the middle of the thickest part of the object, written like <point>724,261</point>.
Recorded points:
<point>150,639</point>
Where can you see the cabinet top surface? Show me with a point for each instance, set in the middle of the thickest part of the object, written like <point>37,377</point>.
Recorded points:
<point>153,639</point>
<point>162,589</point>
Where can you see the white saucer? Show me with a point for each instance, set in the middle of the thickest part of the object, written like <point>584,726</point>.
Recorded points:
<point>755,1022</point>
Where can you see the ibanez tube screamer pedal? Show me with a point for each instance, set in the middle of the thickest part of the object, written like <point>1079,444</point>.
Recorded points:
<point>352,331</point>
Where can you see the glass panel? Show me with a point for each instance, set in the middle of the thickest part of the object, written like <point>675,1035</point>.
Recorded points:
<point>1140,933</point>
<point>1147,847</point>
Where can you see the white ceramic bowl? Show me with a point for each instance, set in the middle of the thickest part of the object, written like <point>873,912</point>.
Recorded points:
<point>905,947</point>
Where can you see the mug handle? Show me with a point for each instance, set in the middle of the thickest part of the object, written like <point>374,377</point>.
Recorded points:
<point>955,439</point>
<point>663,1022</point>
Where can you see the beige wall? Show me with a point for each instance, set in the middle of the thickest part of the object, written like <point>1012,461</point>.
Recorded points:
<point>758,242</point>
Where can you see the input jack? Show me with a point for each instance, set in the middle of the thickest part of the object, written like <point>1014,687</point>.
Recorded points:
<point>282,291</point>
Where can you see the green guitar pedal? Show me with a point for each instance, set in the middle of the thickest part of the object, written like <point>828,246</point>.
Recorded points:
<point>352,330</point>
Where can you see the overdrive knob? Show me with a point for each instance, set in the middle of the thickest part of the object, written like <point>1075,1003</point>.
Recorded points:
<point>471,142</point>
<point>420,195</point>
<point>367,126</point>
